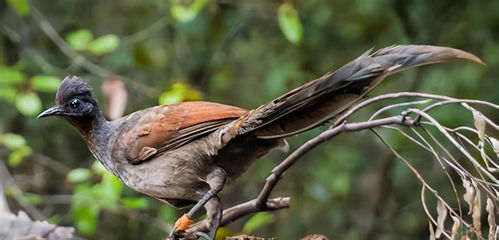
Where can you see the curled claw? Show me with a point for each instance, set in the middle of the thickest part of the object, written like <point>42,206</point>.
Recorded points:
<point>203,235</point>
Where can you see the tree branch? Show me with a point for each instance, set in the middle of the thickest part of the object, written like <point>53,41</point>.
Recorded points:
<point>277,172</point>
<point>263,203</point>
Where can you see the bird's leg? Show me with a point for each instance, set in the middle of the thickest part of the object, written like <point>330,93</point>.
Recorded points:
<point>214,212</point>
<point>210,201</point>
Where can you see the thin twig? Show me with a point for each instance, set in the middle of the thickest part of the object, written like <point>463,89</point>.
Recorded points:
<point>244,209</point>
<point>369,101</point>
<point>277,172</point>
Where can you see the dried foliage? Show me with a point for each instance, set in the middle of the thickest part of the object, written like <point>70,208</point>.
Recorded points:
<point>464,155</point>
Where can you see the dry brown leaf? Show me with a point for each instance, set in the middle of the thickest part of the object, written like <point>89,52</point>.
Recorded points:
<point>469,196</point>
<point>442,215</point>
<point>495,145</point>
<point>484,157</point>
<point>455,227</point>
<point>244,237</point>
<point>432,232</point>
<point>491,219</point>
<point>477,212</point>
<point>314,237</point>
<point>116,95</point>
<point>479,122</point>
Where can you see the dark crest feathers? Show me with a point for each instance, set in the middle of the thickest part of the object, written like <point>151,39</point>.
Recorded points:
<point>72,87</point>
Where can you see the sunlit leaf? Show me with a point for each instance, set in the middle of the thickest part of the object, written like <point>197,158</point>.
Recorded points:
<point>8,93</point>
<point>193,95</point>
<point>78,175</point>
<point>21,7</point>
<point>174,95</point>
<point>32,199</point>
<point>12,140</point>
<point>54,219</point>
<point>135,203</point>
<point>166,213</point>
<point>223,233</point>
<point>469,195</point>
<point>455,227</point>
<point>432,232</point>
<point>186,13</point>
<point>179,92</point>
<point>79,39</point>
<point>17,156</point>
<point>491,218</point>
<point>28,103</point>
<point>495,145</point>
<point>11,76</point>
<point>104,44</point>
<point>98,168</point>
<point>45,83</point>
<point>289,23</point>
<point>84,209</point>
<point>479,122</point>
<point>108,191</point>
<point>85,217</point>
<point>442,215</point>
<point>258,220</point>
<point>477,211</point>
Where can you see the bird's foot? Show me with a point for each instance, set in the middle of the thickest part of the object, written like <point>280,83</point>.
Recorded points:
<point>186,235</point>
<point>182,223</point>
<point>180,227</point>
<point>204,236</point>
<point>184,230</point>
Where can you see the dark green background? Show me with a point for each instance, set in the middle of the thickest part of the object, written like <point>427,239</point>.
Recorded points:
<point>234,53</point>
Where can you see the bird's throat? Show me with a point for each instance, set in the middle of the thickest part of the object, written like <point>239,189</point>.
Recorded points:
<point>94,129</point>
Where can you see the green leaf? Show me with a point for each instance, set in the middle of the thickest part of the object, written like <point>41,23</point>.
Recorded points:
<point>54,219</point>
<point>21,7</point>
<point>11,76</point>
<point>98,168</point>
<point>8,93</point>
<point>193,95</point>
<point>78,175</point>
<point>17,156</point>
<point>225,233</point>
<point>104,44</point>
<point>289,23</point>
<point>32,199</point>
<point>135,203</point>
<point>174,95</point>
<point>85,217</point>
<point>12,140</point>
<point>28,104</point>
<point>79,39</point>
<point>258,220</point>
<point>166,213</point>
<point>108,192</point>
<point>186,13</point>
<point>45,83</point>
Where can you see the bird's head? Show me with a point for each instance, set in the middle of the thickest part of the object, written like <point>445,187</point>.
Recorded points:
<point>73,102</point>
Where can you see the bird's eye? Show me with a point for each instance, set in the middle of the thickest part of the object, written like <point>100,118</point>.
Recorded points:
<point>75,103</point>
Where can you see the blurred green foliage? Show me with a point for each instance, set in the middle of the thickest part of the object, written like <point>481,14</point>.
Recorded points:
<point>242,53</point>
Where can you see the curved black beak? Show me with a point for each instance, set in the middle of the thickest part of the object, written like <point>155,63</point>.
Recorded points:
<point>53,111</point>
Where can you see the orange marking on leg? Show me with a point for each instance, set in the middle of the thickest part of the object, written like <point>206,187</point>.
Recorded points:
<point>182,223</point>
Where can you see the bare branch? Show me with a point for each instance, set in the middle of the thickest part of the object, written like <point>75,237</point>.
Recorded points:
<point>277,172</point>
<point>244,209</point>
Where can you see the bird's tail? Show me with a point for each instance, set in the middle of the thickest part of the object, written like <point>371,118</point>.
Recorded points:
<point>324,98</point>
